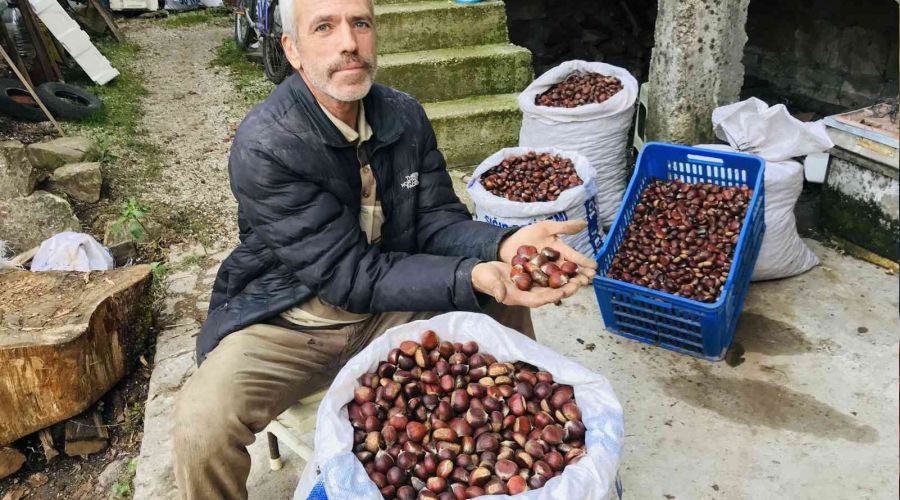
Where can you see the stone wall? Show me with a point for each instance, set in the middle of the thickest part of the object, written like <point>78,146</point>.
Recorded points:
<point>825,56</point>
<point>616,32</point>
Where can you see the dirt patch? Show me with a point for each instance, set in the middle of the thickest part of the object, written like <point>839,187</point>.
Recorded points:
<point>188,116</point>
<point>25,132</point>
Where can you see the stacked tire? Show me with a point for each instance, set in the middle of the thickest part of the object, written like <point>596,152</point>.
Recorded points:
<point>64,101</point>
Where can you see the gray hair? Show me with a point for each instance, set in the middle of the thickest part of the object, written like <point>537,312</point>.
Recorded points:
<point>286,8</point>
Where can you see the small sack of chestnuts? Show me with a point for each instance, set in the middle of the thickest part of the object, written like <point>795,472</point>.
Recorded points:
<point>532,177</point>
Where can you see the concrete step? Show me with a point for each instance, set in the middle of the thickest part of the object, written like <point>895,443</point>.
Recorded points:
<point>416,26</point>
<point>446,74</point>
<point>471,129</point>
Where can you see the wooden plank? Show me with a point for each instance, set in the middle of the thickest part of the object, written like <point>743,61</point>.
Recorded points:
<point>86,435</point>
<point>11,460</point>
<point>48,68</point>
<point>47,444</point>
<point>8,44</point>
<point>110,22</point>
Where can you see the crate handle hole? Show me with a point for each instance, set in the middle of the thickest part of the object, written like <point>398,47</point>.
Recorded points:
<point>705,159</point>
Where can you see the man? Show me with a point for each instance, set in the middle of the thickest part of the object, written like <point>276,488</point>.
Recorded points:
<point>348,225</point>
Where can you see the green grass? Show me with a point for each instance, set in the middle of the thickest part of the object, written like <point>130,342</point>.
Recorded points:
<point>220,16</point>
<point>117,125</point>
<point>130,161</point>
<point>248,78</point>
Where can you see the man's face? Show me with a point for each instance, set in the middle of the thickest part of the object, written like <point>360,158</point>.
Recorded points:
<point>335,46</point>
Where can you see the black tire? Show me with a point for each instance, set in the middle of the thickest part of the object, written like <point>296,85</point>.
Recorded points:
<point>244,35</point>
<point>15,101</point>
<point>275,63</point>
<point>68,101</point>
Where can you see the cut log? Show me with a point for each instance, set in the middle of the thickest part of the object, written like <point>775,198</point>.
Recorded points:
<point>86,435</point>
<point>11,461</point>
<point>66,338</point>
<point>47,443</point>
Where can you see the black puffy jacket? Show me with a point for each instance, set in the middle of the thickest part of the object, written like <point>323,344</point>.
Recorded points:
<point>297,183</point>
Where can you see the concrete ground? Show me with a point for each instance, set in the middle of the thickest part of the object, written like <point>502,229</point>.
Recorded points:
<point>811,412</point>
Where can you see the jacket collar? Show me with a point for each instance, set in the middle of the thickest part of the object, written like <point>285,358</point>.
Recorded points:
<point>386,127</point>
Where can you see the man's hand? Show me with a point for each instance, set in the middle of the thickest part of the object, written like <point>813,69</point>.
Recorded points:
<point>546,234</point>
<point>492,278</point>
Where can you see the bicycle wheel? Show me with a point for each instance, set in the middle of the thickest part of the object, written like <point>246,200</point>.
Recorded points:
<point>244,35</point>
<point>275,64</point>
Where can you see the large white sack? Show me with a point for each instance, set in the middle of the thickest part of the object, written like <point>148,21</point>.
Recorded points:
<point>573,203</point>
<point>70,251</point>
<point>599,131</point>
<point>593,477</point>
<point>782,253</point>
<point>751,126</point>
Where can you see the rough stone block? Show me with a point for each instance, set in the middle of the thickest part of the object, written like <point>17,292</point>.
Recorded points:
<point>445,74</point>
<point>439,24</point>
<point>81,181</point>
<point>48,156</point>
<point>27,221</point>
<point>469,130</point>
<point>17,176</point>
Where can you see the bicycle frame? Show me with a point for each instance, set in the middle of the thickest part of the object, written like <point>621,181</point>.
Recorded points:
<point>262,17</point>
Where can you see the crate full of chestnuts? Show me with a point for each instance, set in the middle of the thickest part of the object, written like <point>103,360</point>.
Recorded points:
<point>459,407</point>
<point>677,263</point>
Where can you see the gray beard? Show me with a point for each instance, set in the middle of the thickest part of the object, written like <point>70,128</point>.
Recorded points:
<point>323,86</point>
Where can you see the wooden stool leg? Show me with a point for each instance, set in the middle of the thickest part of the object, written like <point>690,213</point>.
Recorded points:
<point>274,456</point>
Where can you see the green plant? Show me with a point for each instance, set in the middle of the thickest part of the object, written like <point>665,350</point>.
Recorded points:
<point>121,490</point>
<point>159,271</point>
<point>129,221</point>
<point>122,487</point>
<point>134,418</point>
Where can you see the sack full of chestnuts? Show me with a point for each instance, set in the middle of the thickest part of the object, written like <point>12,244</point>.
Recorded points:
<point>521,186</point>
<point>426,445</point>
<point>598,129</point>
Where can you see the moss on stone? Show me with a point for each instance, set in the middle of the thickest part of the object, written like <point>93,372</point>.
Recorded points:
<point>861,222</point>
<point>456,73</point>
<point>439,24</point>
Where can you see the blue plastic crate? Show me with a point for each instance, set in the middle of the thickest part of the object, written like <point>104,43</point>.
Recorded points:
<point>700,329</point>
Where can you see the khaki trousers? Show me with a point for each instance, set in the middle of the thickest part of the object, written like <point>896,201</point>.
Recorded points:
<point>255,374</point>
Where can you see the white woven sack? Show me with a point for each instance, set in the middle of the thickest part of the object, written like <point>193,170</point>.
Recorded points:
<point>599,131</point>
<point>593,477</point>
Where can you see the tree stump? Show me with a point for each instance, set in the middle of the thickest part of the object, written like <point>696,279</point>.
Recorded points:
<point>66,338</point>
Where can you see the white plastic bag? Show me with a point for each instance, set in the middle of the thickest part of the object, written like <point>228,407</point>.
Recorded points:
<point>592,477</point>
<point>573,203</point>
<point>751,126</point>
<point>598,131</point>
<point>69,251</point>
